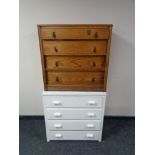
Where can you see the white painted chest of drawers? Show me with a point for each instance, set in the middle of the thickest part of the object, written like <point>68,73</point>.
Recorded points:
<point>71,115</point>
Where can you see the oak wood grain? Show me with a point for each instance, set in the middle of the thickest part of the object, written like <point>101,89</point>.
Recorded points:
<point>74,47</point>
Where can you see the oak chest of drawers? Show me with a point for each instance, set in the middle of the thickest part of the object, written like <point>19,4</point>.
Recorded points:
<point>75,62</point>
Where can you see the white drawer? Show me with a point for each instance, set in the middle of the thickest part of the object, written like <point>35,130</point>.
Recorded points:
<point>73,135</point>
<point>65,113</point>
<point>73,124</point>
<point>73,101</point>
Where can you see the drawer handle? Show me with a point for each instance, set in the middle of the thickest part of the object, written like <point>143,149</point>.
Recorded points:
<point>57,79</point>
<point>57,125</point>
<point>58,135</point>
<point>88,32</point>
<point>91,102</point>
<point>89,135</point>
<point>93,79</point>
<point>56,102</point>
<point>94,50</point>
<point>55,49</point>
<point>94,64</point>
<point>90,125</point>
<point>54,35</point>
<point>91,114</point>
<point>56,64</point>
<point>57,114</point>
<point>96,35</point>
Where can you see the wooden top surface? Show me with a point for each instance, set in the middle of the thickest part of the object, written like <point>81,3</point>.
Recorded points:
<point>75,25</point>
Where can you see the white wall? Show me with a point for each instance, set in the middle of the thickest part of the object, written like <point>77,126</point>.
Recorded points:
<point>120,13</point>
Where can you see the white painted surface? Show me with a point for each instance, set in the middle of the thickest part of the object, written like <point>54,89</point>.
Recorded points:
<point>68,113</point>
<point>74,118</point>
<point>73,135</point>
<point>62,101</point>
<point>73,124</point>
<point>120,13</point>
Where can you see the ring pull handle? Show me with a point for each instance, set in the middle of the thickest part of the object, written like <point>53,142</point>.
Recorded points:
<point>94,50</point>
<point>94,64</point>
<point>54,35</point>
<point>56,64</point>
<point>57,79</point>
<point>55,49</point>
<point>96,35</point>
<point>93,79</point>
<point>88,32</point>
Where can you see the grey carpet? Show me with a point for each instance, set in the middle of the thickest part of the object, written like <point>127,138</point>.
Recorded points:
<point>118,139</point>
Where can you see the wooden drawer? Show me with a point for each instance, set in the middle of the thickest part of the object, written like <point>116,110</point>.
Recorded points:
<point>67,113</point>
<point>73,125</point>
<point>63,63</point>
<point>68,80</point>
<point>72,135</point>
<point>74,47</point>
<point>74,33</point>
<point>71,101</point>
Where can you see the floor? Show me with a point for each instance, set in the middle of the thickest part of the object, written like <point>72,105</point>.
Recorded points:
<point>118,135</point>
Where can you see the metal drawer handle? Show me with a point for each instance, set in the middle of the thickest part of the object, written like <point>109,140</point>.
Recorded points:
<point>57,125</point>
<point>96,35</point>
<point>94,50</point>
<point>91,102</point>
<point>58,135</point>
<point>54,35</point>
<point>57,79</point>
<point>91,114</point>
<point>93,79</point>
<point>55,49</point>
<point>94,64</point>
<point>89,135</point>
<point>57,114</point>
<point>56,64</point>
<point>90,125</point>
<point>56,102</point>
<point>88,32</point>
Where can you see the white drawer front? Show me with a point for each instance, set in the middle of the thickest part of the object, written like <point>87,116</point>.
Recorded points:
<point>58,113</point>
<point>73,124</point>
<point>73,135</point>
<point>73,101</point>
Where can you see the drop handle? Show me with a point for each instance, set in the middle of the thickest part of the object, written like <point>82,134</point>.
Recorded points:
<point>96,35</point>
<point>90,125</point>
<point>58,135</point>
<point>56,102</point>
<point>57,79</point>
<point>93,79</point>
<point>57,125</point>
<point>94,50</point>
<point>91,114</point>
<point>55,49</point>
<point>91,102</point>
<point>57,114</point>
<point>94,64</point>
<point>89,135</point>
<point>88,32</point>
<point>56,64</point>
<point>54,35</point>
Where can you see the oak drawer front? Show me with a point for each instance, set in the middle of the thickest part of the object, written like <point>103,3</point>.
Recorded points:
<point>73,101</point>
<point>74,33</point>
<point>74,63</point>
<point>74,47</point>
<point>73,125</point>
<point>75,78</point>
<point>58,113</point>
<point>73,135</point>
